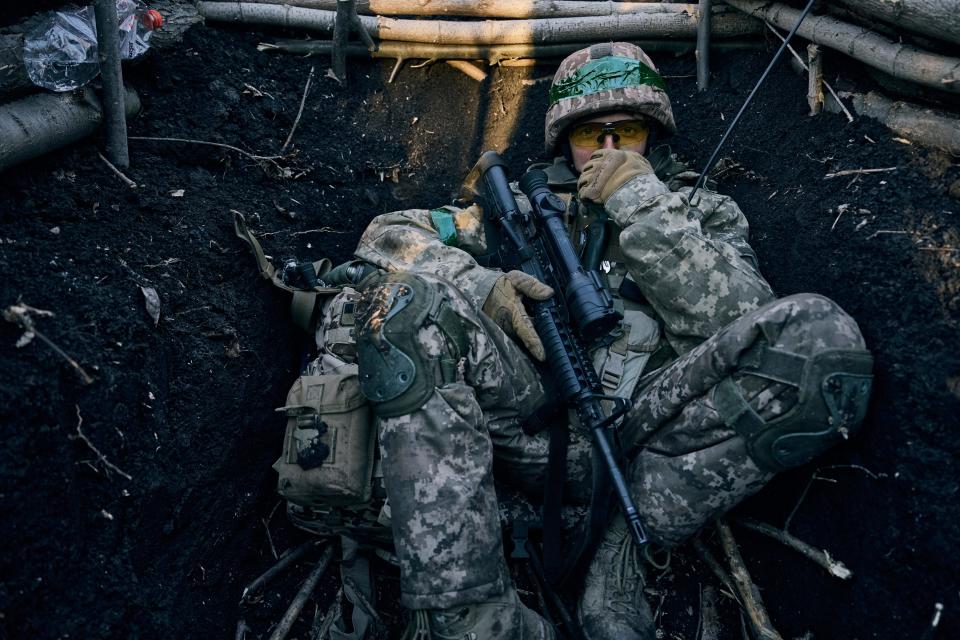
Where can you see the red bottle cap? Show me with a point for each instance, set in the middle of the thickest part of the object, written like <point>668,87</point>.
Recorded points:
<point>152,19</point>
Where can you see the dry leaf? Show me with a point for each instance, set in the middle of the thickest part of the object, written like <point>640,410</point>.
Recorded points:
<point>20,315</point>
<point>232,350</point>
<point>25,339</point>
<point>152,302</point>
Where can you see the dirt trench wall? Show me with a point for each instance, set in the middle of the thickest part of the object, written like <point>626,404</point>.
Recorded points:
<point>186,407</point>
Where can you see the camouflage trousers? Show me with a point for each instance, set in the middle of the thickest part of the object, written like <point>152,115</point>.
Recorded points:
<point>693,456</point>
<point>687,465</point>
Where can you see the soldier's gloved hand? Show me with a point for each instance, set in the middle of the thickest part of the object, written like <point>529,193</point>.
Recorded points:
<point>607,170</point>
<point>504,306</point>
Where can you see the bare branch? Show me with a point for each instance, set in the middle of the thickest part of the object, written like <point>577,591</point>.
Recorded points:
<point>100,457</point>
<point>285,561</point>
<point>22,315</point>
<point>749,593</point>
<point>708,558</point>
<point>819,556</point>
<point>286,623</point>
<point>833,93</point>
<point>303,102</point>
<point>851,172</point>
<point>130,183</point>
<point>258,159</point>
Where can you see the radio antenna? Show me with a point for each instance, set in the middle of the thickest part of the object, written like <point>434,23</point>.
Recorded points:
<point>736,119</point>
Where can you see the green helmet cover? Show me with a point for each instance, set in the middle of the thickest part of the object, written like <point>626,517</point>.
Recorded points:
<point>605,74</point>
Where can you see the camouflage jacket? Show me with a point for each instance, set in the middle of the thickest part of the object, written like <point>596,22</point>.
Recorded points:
<point>692,264</point>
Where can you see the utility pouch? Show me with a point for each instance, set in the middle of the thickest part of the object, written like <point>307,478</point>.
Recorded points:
<point>621,365</point>
<point>328,448</point>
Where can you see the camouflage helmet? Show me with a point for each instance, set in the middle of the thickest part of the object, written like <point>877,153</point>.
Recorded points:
<point>611,76</point>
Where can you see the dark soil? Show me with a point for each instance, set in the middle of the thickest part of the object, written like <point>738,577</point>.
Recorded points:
<point>185,408</point>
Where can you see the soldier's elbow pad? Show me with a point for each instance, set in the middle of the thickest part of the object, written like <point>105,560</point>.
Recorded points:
<point>400,363</point>
<point>833,389</point>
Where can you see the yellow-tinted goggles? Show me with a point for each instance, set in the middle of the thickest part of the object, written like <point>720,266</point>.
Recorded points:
<point>591,135</point>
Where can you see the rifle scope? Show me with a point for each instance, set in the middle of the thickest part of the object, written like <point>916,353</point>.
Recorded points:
<point>587,300</point>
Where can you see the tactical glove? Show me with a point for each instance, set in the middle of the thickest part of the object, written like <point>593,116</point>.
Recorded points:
<point>504,306</point>
<point>607,170</point>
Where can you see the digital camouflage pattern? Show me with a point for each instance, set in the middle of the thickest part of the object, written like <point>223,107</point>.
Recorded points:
<point>408,241</point>
<point>502,617</point>
<point>438,460</point>
<point>692,263</point>
<point>645,98</point>
<point>688,464</point>
<point>702,288</point>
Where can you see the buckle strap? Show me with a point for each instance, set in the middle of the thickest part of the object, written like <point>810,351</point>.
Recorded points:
<point>613,370</point>
<point>304,304</point>
<point>769,362</point>
<point>456,334</point>
<point>614,365</point>
<point>734,410</point>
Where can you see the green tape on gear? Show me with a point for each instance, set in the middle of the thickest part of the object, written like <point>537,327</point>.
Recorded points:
<point>606,74</point>
<point>443,222</point>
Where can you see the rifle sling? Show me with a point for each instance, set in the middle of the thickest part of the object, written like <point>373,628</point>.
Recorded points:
<point>553,556</point>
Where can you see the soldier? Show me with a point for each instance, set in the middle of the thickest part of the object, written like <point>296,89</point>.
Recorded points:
<point>728,384</point>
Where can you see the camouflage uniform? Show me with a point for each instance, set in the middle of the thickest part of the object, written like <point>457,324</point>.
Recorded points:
<point>705,301</point>
<point>728,384</point>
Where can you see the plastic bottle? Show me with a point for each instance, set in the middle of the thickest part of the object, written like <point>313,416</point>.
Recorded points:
<point>60,53</point>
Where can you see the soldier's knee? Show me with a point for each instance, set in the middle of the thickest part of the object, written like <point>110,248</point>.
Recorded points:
<point>815,376</point>
<point>807,322</point>
<point>409,342</point>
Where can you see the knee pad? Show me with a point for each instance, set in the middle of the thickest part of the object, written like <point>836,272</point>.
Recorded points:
<point>401,361</point>
<point>832,391</point>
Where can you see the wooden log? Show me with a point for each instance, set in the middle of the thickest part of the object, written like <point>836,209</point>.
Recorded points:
<point>493,54</point>
<point>44,122</point>
<point>927,127</point>
<point>891,32</point>
<point>814,79</point>
<point>902,61</point>
<point>703,44</point>
<point>934,18</point>
<point>468,69</point>
<point>911,92</point>
<point>494,8</point>
<point>545,30</point>
<point>341,33</point>
<point>108,55</point>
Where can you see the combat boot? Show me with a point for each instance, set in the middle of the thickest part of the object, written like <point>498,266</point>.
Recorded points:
<point>613,606</point>
<point>503,617</point>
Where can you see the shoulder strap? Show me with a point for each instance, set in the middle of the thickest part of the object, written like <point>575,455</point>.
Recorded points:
<point>304,303</point>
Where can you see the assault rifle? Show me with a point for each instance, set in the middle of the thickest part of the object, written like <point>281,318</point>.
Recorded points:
<point>579,314</point>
